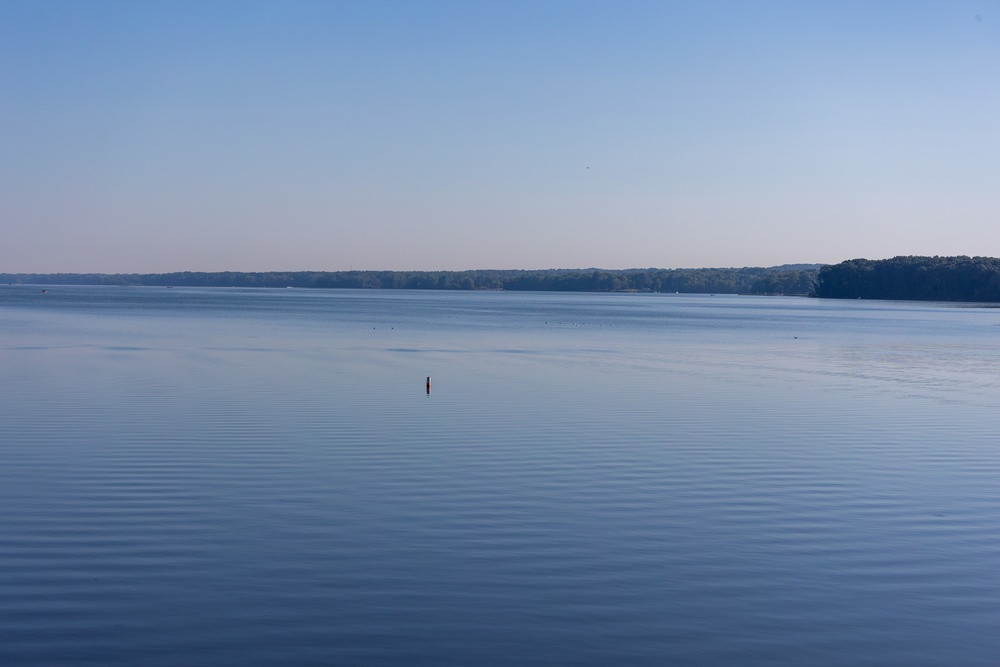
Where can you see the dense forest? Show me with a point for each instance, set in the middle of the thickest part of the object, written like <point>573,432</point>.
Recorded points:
<point>913,278</point>
<point>793,279</point>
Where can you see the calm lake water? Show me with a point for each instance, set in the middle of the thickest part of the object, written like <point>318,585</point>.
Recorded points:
<point>227,476</point>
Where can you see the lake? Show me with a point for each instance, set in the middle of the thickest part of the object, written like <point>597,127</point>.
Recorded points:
<point>237,476</point>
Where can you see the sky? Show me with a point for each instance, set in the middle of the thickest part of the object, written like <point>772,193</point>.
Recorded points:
<point>449,135</point>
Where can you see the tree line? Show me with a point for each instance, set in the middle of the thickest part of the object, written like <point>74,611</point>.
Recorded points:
<point>912,278</point>
<point>796,279</point>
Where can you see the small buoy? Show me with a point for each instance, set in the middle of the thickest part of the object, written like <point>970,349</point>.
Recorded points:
<point>428,385</point>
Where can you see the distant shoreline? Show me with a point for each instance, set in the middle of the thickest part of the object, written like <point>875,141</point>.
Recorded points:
<point>903,278</point>
<point>913,278</point>
<point>794,280</point>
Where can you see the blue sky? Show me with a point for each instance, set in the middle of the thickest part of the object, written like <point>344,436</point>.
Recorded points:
<point>253,136</point>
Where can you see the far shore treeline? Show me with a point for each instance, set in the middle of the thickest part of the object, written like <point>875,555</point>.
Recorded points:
<point>792,279</point>
<point>913,279</point>
<point>900,278</point>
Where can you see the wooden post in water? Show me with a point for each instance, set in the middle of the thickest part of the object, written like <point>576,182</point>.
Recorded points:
<point>428,385</point>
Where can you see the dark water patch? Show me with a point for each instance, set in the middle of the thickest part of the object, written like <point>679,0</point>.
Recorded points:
<point>425,350</point>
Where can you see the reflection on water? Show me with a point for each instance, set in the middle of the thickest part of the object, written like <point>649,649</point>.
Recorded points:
<point>247,476</point>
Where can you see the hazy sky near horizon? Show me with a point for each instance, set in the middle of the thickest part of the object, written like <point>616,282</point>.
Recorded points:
<point>252,136</point>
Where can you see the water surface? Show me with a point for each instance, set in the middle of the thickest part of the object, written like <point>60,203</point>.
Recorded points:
<point>229,476</point>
